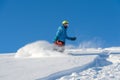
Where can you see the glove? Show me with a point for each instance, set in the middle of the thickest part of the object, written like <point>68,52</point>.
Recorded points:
<point>73,38</point>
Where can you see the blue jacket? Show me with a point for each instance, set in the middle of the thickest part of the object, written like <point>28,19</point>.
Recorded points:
<point>62,34</point>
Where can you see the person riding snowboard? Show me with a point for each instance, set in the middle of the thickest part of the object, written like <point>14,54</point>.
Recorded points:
<point>61,36</point>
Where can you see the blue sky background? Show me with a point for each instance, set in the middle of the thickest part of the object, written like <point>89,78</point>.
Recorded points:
<point>26,21</point>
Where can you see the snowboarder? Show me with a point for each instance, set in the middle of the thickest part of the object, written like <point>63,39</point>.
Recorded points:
<point>61,36</point>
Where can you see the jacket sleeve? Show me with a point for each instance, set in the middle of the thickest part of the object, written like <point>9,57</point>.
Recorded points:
<point>58,34</point>
<point>69,38</point>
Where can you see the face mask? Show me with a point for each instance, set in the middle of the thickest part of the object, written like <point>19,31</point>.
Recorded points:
<point>65,25</point>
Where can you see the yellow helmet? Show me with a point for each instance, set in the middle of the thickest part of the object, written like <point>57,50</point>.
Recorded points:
<point>65,22</point>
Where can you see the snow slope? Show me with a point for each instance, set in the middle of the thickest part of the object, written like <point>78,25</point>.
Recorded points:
<point>109,71</point>
<point>37,68</point>
<point>37,61</point>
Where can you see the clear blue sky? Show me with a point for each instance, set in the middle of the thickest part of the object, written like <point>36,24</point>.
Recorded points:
<point>26,21</point>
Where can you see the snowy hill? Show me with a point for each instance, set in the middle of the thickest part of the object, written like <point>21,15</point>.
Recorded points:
<point>37,61</point>
<point>103,69</point>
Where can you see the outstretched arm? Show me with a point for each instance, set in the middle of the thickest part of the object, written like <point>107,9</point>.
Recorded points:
<point>71,38</point>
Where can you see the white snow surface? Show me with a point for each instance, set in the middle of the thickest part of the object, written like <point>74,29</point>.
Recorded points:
<point>45,68</point>
<point>109,71</point>
<point>37,61</point>
<point>45,49</point>
<point>37,49</point>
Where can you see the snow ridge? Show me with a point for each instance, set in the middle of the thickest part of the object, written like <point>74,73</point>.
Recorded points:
<point>103,69</point>
<point>66,72</point>
<point>97,63</point>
